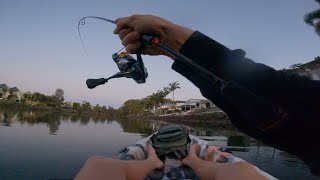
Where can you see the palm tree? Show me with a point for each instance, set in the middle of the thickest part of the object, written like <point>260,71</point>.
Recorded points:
<point>313,19</point>
<point>158,98</point>
<point>172,87</point>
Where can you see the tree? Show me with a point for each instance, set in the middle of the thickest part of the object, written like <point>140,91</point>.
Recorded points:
<point>158,98</point>
<point>57,98</point>
<point>133,106</point>
<point>27,96</point>
<point>104,109</point>
<point>172,87</point>
<point>294,66</point>
<point>41,98</point>
<point>59,94</point>
<point>97,108</point>
<point>76,106</point>
<point>313,19</point>
<point>86,106</point>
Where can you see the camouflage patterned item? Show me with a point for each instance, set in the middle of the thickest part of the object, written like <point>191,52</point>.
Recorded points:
<point>171,139</point>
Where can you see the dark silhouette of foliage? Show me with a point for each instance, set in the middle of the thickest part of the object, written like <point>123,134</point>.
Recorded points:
<point>313,19</point>
<point>59,94</point>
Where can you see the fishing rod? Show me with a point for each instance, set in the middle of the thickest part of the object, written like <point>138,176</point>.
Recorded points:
<point>147,40</point>
<point>82,22</point>
<point>129,67</point>
<point>255,110</point>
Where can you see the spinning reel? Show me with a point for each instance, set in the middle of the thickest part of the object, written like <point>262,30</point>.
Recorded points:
<point>129,68</point>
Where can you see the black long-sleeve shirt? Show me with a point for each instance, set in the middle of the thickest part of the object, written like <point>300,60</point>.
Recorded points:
<point>298,97</point>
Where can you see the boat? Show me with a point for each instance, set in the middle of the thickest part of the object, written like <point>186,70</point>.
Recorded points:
<point>172,166</point>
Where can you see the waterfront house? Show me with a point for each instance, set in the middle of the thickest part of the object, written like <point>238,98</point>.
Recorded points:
<point>7,93</point>
<point>187,105</point>
<point>4,93</point>
<point>67,104</point>
<point>3,86</point>
<point>310,69</point>
<point>313,72</point>
<point>198,103</point>
<point>15,94</point>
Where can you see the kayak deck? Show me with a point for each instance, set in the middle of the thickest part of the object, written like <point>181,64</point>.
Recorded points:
<point>173,168</point>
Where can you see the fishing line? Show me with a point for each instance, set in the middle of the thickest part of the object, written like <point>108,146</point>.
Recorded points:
<point>121,49</point>
<point>82,22</point>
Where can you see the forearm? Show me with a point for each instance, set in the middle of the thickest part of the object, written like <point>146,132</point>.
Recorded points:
<point>209,170</point>
<point>108,168</point>
<point>139,169</point>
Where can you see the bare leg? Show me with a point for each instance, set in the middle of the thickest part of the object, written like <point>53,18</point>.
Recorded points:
<point>108,168</point>
<point>216,171</point>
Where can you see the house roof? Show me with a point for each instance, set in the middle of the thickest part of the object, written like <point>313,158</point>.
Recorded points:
<point>3,86</point>
<point>14,89</point>
<point>198,100</point>
<point>195,101</point>
<point>312,65</point>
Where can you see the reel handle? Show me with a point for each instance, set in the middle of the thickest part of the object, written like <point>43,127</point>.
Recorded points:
<point>92,83</point>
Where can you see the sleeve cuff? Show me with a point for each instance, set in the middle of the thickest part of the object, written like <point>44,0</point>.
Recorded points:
<point>204,50</point>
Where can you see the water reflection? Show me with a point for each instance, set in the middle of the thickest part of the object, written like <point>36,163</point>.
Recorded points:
<point>229,138</point>
<point>51,119</point>
<point>7,118</point>
<point>123,132</point>
<point>220,136</point>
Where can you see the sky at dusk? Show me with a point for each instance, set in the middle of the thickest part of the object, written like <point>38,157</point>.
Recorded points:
<point>40,49</point>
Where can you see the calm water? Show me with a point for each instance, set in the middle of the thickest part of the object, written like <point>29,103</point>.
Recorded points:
<point>52,146</point>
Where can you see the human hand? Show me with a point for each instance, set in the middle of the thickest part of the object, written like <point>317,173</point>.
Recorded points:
<point>208,169</point>
<point>153,158</point>
<point>130,29</point>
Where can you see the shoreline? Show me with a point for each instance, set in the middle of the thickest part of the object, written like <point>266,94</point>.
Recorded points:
<point>216,118</point>
<point>26,107</point>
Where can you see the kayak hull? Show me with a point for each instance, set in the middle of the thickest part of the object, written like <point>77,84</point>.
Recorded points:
<point>138,151</point>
